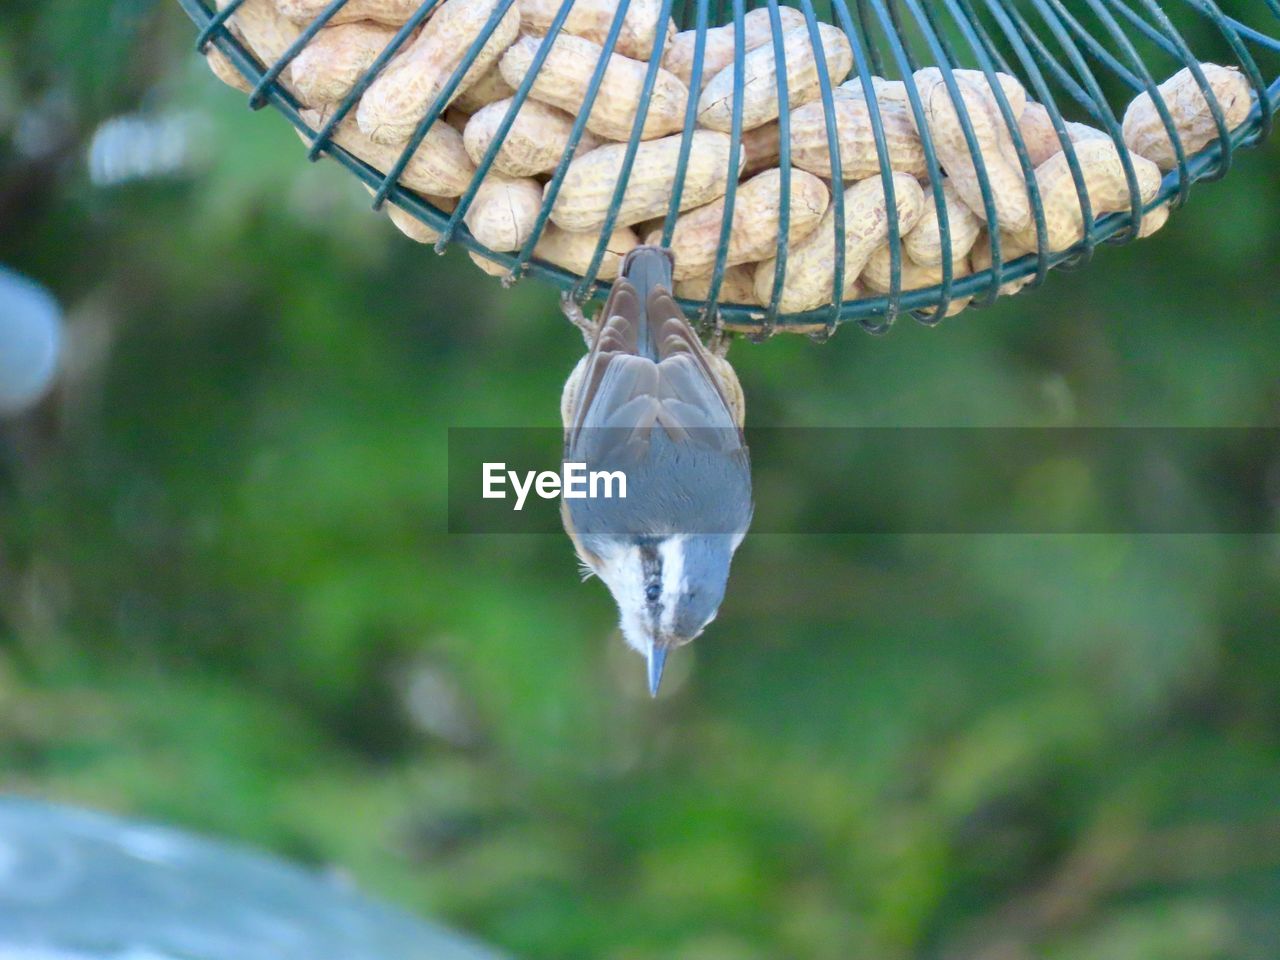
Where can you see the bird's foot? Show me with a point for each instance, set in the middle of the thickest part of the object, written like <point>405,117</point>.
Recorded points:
<point>573,313</point>
<point>720,340</point>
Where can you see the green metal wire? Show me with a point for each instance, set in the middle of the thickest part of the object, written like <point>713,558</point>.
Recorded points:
<point>435,112</point>
<point>701,25</point>
<point>1080,51</point>
<point>580,288</point>
<point>633,144</point>
<point>784,166</point>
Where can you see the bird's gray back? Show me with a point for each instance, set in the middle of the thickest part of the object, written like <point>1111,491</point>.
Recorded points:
<point>699,483</point>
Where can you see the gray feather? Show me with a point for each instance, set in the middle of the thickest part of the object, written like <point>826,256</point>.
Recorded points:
<point>650,406</point>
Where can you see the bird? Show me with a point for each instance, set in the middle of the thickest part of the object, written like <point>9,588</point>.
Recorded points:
<point>649,399</point>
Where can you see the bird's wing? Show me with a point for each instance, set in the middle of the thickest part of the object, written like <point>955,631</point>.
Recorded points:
<point>622,395</point>
<point>617,338</point>
<point>690,393</point>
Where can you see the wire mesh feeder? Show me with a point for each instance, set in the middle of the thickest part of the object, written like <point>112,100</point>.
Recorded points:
<point>1089,53</point>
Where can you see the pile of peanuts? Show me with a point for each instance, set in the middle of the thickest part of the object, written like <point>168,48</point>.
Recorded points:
<point>506,205</point>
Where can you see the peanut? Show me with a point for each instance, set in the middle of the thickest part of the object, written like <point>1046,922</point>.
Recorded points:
<point>226,71</point>
<point>1008,186</point>
<point>1144,131</point>
<point>589,183</point>
<point>503,212</point>
<point>1153,220</point>
<point>395,102</point>
<point>1079,132</point>
<point>924,243</point>
<point>954,307</point>
<point>492,267</point>
<point>761,148</point>
<point>574,251</point>
<point>592,19</point>
<point>1013,91</point>
<point>811,264</point>
<point>1104,181</point>
<point>264,31</point>
<point>980,259</point>
<point>720,43</point>
<point>1036,127</point>
<point>411,226</point>
<point>566,74</point>
<point>738,286</point>
<point>887,91</point>
<point>730,386</point>
<point>876,275</point>
<point>651,227</point>
<point>488,89</point>
<point>329,66</point>
<point>855,140</point>
<point>440,166</point>
<point>756,221</point>
<point>457,119</point>
<point>534,144</point>
<point>760,74</point>
<point>393,12</point>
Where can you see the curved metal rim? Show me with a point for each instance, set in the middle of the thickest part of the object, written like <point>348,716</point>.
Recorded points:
<point>876,314</point>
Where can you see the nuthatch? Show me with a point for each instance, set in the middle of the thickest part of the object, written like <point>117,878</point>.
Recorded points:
<point>650,400</point>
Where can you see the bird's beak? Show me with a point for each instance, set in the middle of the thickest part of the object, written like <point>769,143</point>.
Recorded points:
<point>657,660</point>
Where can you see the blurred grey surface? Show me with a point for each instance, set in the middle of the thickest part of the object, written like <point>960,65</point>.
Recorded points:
<point>76,884</point>
<point>30,338</point>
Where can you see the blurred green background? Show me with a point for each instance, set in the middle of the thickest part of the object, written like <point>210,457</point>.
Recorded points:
<point>226,600</point>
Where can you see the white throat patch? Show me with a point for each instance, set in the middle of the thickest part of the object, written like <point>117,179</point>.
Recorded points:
<point>622,571</point>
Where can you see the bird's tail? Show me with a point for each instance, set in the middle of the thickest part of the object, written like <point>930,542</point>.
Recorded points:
<point>648,268</point>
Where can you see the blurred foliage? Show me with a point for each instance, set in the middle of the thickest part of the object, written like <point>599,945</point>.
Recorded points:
<point>227,600</point>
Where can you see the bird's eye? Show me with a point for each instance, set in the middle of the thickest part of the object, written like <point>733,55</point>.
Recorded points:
<point>652,592</point>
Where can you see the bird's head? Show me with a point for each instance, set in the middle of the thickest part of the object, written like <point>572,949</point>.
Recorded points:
<point>668,588</point>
